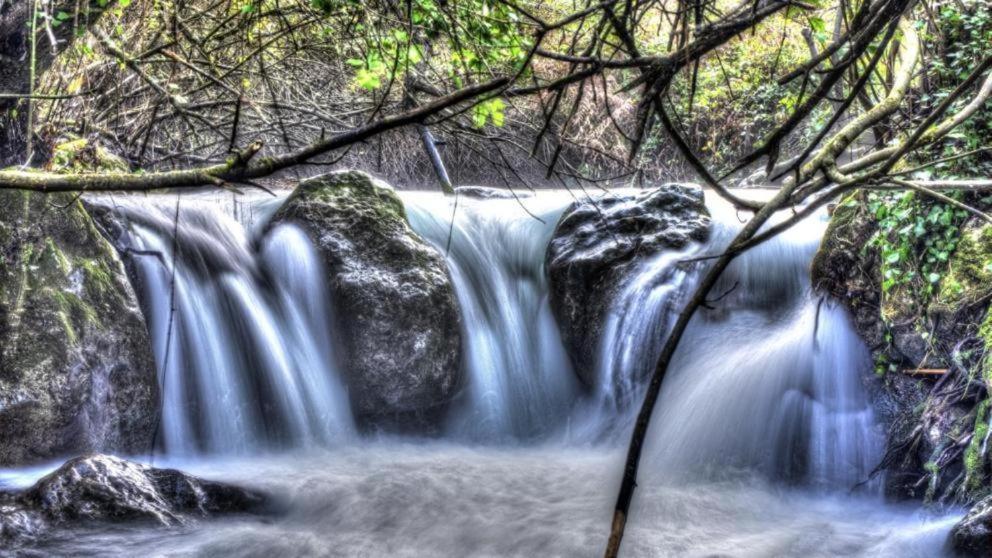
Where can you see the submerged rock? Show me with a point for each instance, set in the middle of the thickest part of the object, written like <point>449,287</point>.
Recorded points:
<point>972,536</point>
<point>596,244</point>
<point>106,488</point>
<point>76,366</point>
<point>396,309</point>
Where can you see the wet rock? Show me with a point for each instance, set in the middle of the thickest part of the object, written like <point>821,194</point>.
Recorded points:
<point>489,193</point>
<point>397,313</point>
<point>106,488</point>
<point>972,536</point>
<point>76,366</point>
<point>845,269</point>
<point>906,330</point>
<point>597,242</point>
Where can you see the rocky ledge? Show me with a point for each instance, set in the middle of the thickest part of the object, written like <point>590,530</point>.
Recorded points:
<point>972,536</point>
<point>103,488</point>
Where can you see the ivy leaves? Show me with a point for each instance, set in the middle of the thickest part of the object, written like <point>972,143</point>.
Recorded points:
<point>915,238</point>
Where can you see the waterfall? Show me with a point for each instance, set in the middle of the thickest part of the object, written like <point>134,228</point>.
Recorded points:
<point>243,340</point>
<point>767,379</point>
<point>521,384</point>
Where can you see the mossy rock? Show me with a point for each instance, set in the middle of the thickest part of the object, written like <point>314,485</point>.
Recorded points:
<point>397,313</point>
<point>953,328</point>
<point>846,268</point>
<point>76,367</point>
<point>969,276</point>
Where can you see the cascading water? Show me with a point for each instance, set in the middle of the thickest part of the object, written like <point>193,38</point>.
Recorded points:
<point>245,359</point>
<point>768,378</point>
<point>520,382</point>
<point>766,385</point>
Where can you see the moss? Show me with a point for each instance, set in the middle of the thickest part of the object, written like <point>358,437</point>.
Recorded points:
<point>52,260</point>
<point>358,190</point>
<point>985,335</point>
<point>73,312</point>
<point>973,462</point>
<point>78,155</point>
<point>99,277</point>
<point>969,276</point>
<point>65,154</point>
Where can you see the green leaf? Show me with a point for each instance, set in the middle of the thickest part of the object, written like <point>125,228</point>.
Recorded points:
<point>367,80</point>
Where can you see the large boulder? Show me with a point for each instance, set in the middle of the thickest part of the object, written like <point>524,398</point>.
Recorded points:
<point>972,536</point>
<point>595,245</point>
<point>397,314</point>
<point>105,488</point>
<point>76,366</point>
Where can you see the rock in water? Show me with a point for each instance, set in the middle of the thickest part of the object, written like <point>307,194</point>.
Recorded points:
<point>972,536</point>
<point>595,245</point>
<point>76,366</point>
<point>107,488</point>
<point>396,309</point>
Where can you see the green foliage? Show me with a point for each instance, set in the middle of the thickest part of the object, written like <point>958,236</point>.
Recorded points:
<point>735,99</point>
<point>915,238</point>
<point>463,39</point>
<point>961,37</point>
<point>488,111</point>
<point>973,462</point>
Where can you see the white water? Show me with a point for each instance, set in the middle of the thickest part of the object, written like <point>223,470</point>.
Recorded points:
<point>246,360</point>
<point>406,499</point>
<point>761,432</point>
<point>521,383</point>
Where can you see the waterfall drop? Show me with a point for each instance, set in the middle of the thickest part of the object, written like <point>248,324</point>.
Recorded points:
<point>246,358</point>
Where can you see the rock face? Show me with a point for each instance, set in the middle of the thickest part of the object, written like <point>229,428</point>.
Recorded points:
<point>76,366</point>
<point>396,309</point>
<point>596,244</point>
<point>106,488</point>
<point>972,536</point>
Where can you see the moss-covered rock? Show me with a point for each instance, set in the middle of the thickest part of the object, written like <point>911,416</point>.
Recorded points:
<point>846,268</point>
<point>397,313</point>
<point>76,367</point>
<point>969,275</point>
